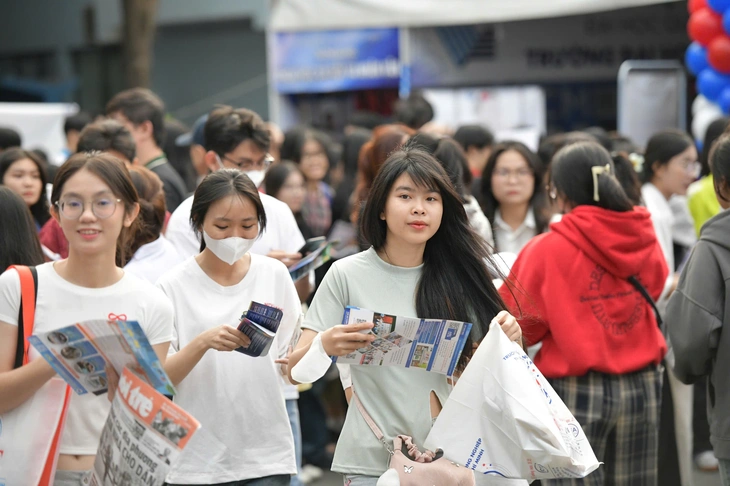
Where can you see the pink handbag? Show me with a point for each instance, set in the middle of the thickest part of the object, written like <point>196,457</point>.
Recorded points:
<point>416,468</point>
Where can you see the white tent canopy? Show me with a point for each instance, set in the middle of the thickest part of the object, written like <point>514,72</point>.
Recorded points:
<point>294,15</point>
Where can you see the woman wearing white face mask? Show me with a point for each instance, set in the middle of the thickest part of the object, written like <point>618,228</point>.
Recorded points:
<point>209,292</point>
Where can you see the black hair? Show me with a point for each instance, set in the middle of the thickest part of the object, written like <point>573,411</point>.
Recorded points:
<point>217,185</point>
<point>226,128</point>
<point>139,105</point>
<point>277,175</point>
<point>628,178</point>
<point>9,137</point>
<point>713,132</point>
<point>352,145</point>
<point>296,138</point>
<point>453,159</point>
<point>366,119</point>
<point>474,136</point>
<point>76,122</point>
<point>601,136</point>
<point>40,209</point>
<point>19,246</point>
<point>114,174</point>
<point>538,201</point>
<point>661,148</point>
<point>550,145</point>
<point>573,177</point>
<point>720,164</point>
<point>457,286</point>
<point>107,135</point>
<point>414,112</point>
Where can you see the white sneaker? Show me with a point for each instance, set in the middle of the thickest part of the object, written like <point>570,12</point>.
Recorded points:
<point>310,474</point>
<point>706,461</point>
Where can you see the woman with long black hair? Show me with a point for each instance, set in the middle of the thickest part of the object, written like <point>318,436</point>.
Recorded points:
<point>425,261</point>
<point>19,246</point>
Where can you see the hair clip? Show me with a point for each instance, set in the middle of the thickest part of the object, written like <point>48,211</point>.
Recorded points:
<point>597,170</point>
<point>637,160</point>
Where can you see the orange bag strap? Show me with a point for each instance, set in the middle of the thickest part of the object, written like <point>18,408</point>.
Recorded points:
<point>28,287</point>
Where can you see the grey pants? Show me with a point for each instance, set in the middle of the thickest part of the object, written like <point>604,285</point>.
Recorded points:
<point>360,480</point>
<point>72,478</point>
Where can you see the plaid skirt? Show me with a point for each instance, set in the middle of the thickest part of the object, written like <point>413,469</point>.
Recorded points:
<point>620,417</point>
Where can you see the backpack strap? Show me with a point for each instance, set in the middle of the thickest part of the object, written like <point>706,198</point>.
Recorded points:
<point>26,315</point>
<point>645,293</point>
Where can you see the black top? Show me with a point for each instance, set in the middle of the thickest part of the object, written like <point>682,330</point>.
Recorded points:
<point>173,184</point>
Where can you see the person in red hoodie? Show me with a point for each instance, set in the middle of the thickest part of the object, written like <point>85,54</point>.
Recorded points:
<point>601,345</point>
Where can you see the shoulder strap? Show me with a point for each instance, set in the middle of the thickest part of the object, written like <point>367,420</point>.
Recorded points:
<point>371,423</point>
<point>26,315</point>
<point>644,293</point>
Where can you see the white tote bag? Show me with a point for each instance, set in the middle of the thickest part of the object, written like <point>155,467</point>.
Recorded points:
<point>26,434</point>
<point>504,419</point>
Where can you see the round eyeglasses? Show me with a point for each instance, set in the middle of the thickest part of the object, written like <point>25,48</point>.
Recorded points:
<point>73,208</point>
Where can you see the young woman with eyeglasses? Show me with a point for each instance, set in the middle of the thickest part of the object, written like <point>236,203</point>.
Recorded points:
<point>513,196</point>
<point>96,205</point>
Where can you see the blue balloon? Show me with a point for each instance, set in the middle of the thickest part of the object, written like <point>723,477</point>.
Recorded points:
<point>726,22</point>
<point>710,83</point>
<point>724,101</point>
<point>696,58</point>
<point>719,6</point>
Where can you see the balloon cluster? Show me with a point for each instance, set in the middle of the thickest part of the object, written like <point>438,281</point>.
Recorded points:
<point>708,57</point>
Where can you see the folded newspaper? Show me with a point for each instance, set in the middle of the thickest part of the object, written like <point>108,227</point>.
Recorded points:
<point>142,437</point>
<point>313,261</point>
<point>80,354</point>
<point>429,344</point>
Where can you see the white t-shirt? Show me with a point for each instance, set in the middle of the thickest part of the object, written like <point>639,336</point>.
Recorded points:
<point>60,304</point>
<point>281,233</point>
<point>153,260</point>
<point>235,397</point>
<point>662,218</point>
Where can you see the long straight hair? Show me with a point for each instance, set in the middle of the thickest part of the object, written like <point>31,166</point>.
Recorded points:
<point>456,282</point>
<point>19,243</point>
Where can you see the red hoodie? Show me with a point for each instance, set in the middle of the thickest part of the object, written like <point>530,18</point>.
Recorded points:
<point>574,296</point>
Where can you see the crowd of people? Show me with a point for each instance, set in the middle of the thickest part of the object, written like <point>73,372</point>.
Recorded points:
<point>607,261</point>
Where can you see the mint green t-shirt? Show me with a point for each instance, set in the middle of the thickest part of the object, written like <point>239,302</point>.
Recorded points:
<point>398,399</point>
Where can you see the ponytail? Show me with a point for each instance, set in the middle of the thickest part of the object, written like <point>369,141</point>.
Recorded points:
<point>584,174</point>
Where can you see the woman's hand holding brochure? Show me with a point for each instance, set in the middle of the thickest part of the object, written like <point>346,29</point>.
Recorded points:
<point>344,339</point>
<point>224,338</point>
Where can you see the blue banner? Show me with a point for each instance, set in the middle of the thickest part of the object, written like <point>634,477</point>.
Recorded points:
<point>336,60</point>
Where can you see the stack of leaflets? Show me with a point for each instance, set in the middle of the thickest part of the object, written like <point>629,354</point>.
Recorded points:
<point>81,353</point>
<point>260,323</point>
<point>409,342</point>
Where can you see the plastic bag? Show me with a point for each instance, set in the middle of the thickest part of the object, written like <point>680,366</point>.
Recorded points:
<point>503,418</point>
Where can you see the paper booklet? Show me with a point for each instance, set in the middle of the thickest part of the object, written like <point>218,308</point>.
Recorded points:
<point>260,323</point>
<point>429,344</point>
<point>142,437</point>
<point>313,261</point>
<point>80,353</point>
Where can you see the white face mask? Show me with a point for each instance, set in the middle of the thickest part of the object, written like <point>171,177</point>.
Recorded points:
<point>256,176</point>
<point>228,250</point>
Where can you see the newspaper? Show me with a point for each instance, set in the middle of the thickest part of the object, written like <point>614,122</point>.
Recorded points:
<point>142,437</point>
<point>80,354</point>
<point>429,344</point>
<point>313,261</point>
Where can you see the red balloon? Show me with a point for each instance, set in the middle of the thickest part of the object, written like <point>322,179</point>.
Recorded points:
<point>695,5</point>
<point>718,53</point>
<point>704,25</point>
